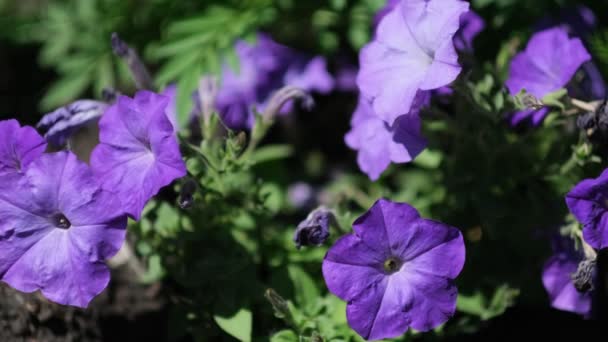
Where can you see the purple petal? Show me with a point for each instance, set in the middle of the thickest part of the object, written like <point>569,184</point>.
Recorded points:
<point>378,144</point>
<point>378,312</point>
<point>19,146</point>
<point>471,24</point>
<point>548,63</point>
<point>536,116</point>
<point>138,153</point>
<point>351,266</point>
<point>588,202</point>
<point>558,283</point>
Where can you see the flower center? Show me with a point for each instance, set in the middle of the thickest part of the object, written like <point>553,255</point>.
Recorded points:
<point>392,265</point>
<point>60,221</point>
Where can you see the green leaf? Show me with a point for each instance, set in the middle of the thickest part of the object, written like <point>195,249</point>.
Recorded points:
<point>271,152</point>
<point>284,336</point>
<point>554,98</point>
<point>473,304</point>
<point>306,292</point>
<point>478,305</point>
<point>238,325</point>
<point>429,159</point>
<point>65,90</point>
<point>187,84</point>
<point>186,45</point>
<point>155,270</point>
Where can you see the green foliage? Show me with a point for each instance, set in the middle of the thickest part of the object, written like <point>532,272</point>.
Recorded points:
<point>198,45</point>
<point>79,52</point>
<point>599,46</point>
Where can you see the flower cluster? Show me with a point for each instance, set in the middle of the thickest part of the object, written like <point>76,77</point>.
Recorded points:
<point>265,67</point>
<point>60,219</point>
<point>413,53</point>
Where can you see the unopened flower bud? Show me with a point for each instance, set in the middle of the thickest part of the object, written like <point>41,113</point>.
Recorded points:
<point>139,72</point>
<point>282,96</point>
<point>241,140</point>
<point>186,194</point>
<point>109,95</point>
<point>207,92</point>
<point>59,125</point>
<point>279,304</point>
<point>584,276</point>
<point>314,230</point>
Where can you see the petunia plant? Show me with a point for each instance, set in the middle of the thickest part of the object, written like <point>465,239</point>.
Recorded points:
<point>293,171</point>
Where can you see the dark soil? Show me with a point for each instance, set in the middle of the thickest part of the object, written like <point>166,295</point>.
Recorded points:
<point>125,311</point>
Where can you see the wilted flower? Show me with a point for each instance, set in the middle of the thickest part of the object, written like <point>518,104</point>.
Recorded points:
<point>378,143</point>
<point>19,146</point>
<point>282,97</point>
<point>595,124</point>
<point>566,269</point>
<point>547,65</point>
<point>63,122</point>
<point>57,228</point>
<point>138,153</point>
<point>415,40</point>
<point>396,271</point>
<point>186,194</point>
<point>588,202</point>
<point>314,230</point>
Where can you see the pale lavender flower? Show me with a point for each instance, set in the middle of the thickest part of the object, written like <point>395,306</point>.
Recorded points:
<point>413,50</point>
<point>378,143</point>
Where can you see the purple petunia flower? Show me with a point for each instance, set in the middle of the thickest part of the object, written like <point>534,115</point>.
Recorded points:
<point>580,21</point>
<point>414,39</point>
<point>264,68</point>
<point>550,60</point>
<point>396,271</point>
<point>378,143</point>
<point>558,274</point>
<point>57,228</point>
<point>63,122</point>
<point>588,202</point>
<point>19,146</point>
<point>138,153</point>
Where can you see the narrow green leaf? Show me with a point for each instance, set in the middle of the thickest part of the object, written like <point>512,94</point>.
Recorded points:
<point>306,292</point>
<point>65,90</point>
<point>271,152</point>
